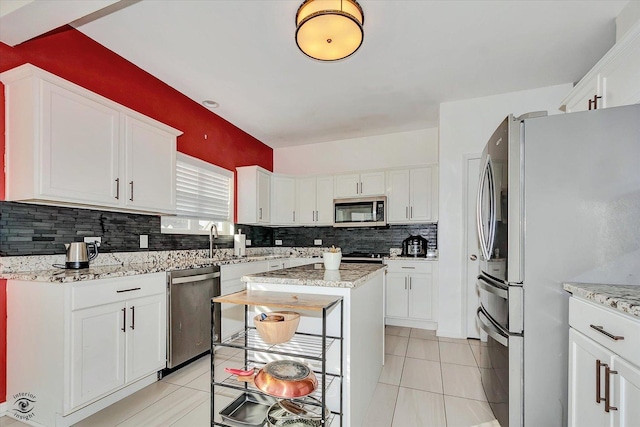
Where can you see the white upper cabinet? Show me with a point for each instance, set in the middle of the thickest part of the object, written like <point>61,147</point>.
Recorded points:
<point>412,195</point>
<point>614,81</point>
<point>67,145</point>
<point>359,184</point>
<point>254,195</point>
<point>283,200</point>
<point>314,200</point>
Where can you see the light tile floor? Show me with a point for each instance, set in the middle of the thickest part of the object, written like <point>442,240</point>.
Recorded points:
<point>426,382</point>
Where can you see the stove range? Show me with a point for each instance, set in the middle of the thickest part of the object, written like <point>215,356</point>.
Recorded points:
<point>363,257</point>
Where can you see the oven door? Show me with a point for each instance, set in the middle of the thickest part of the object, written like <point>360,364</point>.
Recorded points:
<point>502,371</point>
<point>503,303</point>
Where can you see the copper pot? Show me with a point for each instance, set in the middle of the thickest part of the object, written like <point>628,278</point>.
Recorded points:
<point>287,379</point>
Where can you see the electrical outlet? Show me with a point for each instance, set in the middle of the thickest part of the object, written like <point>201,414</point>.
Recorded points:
<point>144,241</point>
<point>278,242</point>
<point>248,242</point>
<point>317,242</point>
<point>97,240</point>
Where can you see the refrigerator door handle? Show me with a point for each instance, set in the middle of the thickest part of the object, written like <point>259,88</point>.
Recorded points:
<point>491,329</point>
<point>493,287</point>
<point>486,241</point>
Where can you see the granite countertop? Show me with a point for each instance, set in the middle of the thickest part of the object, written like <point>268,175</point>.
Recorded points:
<point>623,298</point>
<point>348,276</point>
<point>409,258</point>
<point>60,275</point>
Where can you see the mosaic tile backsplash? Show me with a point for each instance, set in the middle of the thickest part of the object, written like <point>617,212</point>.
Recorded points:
<point>28,229</point>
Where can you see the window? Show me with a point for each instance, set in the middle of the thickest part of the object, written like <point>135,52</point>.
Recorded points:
<point>204,196</point>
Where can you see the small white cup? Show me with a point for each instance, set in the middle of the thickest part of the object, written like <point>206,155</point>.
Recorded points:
<point>332,260</point>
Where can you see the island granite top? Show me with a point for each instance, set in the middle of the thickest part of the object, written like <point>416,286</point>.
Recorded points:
<point>623,298</point>
<point>348,276</point>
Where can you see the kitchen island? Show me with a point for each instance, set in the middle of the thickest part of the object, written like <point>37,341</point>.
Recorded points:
<point>361,287</point>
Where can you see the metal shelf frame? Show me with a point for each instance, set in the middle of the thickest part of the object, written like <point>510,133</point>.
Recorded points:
<point>311,347</point>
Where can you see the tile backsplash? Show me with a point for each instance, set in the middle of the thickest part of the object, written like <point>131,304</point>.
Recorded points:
<point>29,229</point>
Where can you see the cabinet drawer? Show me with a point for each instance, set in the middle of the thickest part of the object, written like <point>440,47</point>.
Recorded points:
<point>583,314</point>
<point>236,271</point>
<point>410,266</point>
<point>105,291</point>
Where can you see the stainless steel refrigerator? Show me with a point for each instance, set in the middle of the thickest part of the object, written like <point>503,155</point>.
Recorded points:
<point>559,199</point>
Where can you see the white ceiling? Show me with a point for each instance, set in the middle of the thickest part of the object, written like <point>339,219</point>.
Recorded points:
<point>415,55</point>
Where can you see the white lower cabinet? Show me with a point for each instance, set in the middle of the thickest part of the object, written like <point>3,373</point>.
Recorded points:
<point>604,385</point>
<point>411,293</point>
<point>91,343</point>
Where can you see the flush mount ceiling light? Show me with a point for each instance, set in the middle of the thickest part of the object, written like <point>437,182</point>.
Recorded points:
<point>329,30</point>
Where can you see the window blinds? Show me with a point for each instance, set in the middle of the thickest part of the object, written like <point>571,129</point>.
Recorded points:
<point>202,189</point>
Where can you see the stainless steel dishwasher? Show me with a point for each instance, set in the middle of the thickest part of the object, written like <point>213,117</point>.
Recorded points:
<point>189,294</point>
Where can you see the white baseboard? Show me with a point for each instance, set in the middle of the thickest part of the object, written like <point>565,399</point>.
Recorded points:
<point>3,409</point>
<point>410,323</point>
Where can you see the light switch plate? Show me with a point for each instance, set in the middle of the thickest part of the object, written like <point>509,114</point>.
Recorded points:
<point>98,240</point>
<point>317,242</point>
<point>144,241</point>
<point>278,242</point>
<point>248,242</point>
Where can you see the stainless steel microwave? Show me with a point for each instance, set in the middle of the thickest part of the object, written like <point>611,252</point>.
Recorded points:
<point>360,212</point>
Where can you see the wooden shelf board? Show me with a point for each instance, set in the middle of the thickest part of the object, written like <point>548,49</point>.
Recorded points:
<point>311,302</point>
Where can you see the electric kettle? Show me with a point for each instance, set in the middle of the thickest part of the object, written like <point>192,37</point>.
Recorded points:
<point>79,254</point>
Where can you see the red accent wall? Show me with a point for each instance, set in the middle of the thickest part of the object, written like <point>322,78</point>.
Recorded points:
<point>71,55</point>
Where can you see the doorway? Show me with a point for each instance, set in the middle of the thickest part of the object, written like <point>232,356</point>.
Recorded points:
<point>472,251</point>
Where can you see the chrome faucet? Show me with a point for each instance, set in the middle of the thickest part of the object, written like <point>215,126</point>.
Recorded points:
<point>213,234</point>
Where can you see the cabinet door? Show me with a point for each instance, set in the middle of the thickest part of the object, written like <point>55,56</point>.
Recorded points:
<point>421,196</point>
<point>283,202</point>
<point>324,200</point>
<point>421,296</point>
<point>620,80</point>
<point>372,183</point>
<point>146,346</point>
<point>579,99</point>
<point>347,185</point>
<point>80,148</point>
<point>584,411</point>
<point>398,196</point>
<point>150,176</point>
<point>264,198</point>
<point>627,395</point>
<point>306,201</point>
<point>97,351</point>
<point>397,295</point>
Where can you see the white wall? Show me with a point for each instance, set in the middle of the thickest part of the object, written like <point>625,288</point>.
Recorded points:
<point>411,148</point>
<point>465,126</point>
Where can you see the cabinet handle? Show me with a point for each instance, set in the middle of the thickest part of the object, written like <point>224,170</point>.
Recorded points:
<point>260,213</point>
<point>607,391</point>
<point>405,283</point>
<point>409,268</point>
<point>124,320</point>
<point>608,334</point>
<point>360,188</point>
<point>357,186</point>
<point>127,290</point>
<point>409,282</point>
<point>133,317</point>
<point>406,212</point>
<point>316,216</point>
<point>117,188</point>
<point>411,212</point>
<point>131,184</point>
<point>593,103</point>
<point>599,366</point>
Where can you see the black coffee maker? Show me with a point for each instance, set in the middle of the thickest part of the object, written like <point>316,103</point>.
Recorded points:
<point>414,246</point>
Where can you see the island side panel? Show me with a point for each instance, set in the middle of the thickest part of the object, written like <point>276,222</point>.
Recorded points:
<point>366,346</point>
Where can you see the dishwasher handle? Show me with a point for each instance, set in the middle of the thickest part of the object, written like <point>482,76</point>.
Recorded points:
<point>196,278</point>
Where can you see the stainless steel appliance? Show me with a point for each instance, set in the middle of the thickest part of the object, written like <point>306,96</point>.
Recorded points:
<point>360,212</point>
<point>79,254</point>
<point>189,294</point>
<point>558,197</point>
<point>363,258</point>
<point>414,246</point>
